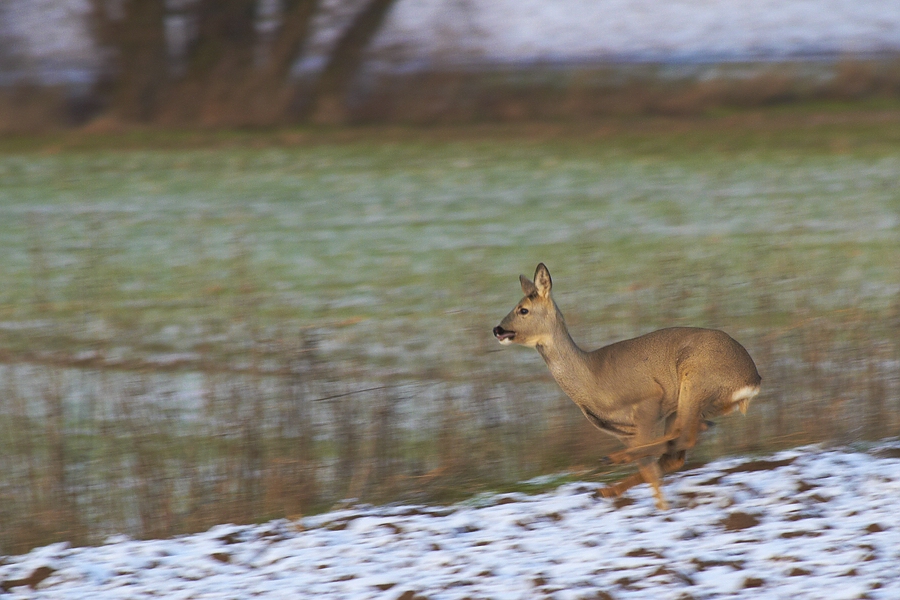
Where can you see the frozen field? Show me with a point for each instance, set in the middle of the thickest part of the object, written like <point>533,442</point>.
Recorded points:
<point>806,523</point>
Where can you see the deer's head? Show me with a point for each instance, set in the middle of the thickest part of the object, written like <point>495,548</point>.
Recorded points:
<point>532,319</point>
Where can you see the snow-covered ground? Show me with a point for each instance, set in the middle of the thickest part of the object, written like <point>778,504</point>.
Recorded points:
<point>452,31</point>
<point>51,38</point>
<point>805,523</point>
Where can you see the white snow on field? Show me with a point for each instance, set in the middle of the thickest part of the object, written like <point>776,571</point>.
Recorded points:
<point>51,38</point>
<point>806,523</point>
<point>710,30</point>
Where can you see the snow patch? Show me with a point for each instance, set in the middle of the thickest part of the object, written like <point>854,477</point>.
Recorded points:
<point>789,525</point>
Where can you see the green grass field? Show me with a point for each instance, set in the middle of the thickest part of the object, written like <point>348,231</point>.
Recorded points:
<point>392,238</point>
<point>189,262</point>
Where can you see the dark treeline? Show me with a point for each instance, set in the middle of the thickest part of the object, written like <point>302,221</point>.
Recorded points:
<point>250,63</point>
<point>205,63</point>
<point>222,62</point>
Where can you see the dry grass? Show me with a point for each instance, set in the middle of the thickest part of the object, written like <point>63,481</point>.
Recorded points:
<point>574,93</point>
<point>233,95</point>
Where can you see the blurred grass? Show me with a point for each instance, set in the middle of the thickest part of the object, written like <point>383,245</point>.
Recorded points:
<point>207,326</point>
<point>369,231</point>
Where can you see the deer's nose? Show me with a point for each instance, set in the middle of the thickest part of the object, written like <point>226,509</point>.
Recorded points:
<point>503,334</point>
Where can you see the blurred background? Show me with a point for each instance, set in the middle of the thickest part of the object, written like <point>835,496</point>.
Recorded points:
<point>253,249</point>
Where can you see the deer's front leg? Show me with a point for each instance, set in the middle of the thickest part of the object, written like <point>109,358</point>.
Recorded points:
<point>667,463</point>
<point>649,471</point>
<point>651,434</point>
<point>681,430</point>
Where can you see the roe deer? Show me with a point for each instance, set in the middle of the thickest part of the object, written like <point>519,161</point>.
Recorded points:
<point>653,392</point>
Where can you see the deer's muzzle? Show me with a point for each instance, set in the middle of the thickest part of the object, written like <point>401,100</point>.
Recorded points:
<point>504,336</point>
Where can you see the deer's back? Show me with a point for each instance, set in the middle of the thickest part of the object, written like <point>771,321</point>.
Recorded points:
<point>656,363</point>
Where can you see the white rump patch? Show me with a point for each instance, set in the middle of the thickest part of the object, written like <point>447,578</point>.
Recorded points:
<point>743,396</point>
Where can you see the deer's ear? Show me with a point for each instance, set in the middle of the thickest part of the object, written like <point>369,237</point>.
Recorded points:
<point>528,288</point>
<point>542,281</point>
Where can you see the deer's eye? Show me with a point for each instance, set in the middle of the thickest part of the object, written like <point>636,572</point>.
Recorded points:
<point>523,311</point>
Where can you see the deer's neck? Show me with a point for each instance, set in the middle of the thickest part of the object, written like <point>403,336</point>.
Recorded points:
<point>559,349</point>
<point>567,362</point>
